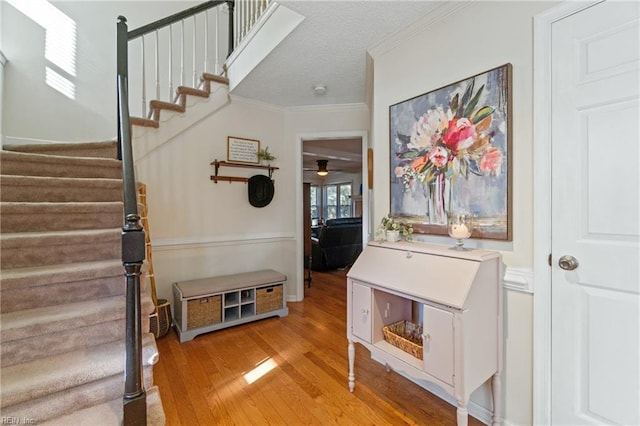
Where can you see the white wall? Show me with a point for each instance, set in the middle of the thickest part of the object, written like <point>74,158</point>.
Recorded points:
<point>478,37</point>
<point>3,62</point>
<point>200,228</point>
<point>34,110</point>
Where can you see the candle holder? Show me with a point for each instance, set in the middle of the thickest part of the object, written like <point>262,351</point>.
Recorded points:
<point>459,226</point>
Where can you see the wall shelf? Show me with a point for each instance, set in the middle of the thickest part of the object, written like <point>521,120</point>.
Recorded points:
<point>217,164</point>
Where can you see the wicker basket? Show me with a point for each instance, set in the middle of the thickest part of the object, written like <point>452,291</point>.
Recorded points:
<point>160,319</point>
<point>268,299</point>
<point>204,311</point>
<point>406,336</point>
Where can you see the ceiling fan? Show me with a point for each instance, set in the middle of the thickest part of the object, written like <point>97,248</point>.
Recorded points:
<point>322,169</point>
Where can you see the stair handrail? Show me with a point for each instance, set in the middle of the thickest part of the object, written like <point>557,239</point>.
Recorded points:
<point>133,253</point>
<point>177,17</point>
<point>133,236</point>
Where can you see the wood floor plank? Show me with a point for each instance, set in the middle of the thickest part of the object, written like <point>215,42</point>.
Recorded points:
<point>202,382</point>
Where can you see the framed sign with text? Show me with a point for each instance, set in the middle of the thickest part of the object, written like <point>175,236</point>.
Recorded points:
<point>240,150</point>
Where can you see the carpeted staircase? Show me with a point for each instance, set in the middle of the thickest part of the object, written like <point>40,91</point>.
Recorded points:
<point>62,287</point>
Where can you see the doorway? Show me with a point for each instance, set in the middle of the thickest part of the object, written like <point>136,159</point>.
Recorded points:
<point>345,154</point>
<point>586,247</point>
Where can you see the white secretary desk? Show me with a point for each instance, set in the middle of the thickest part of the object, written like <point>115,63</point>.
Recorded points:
<point>455,295</point>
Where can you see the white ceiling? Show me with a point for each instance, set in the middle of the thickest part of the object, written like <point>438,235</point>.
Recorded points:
<point>342,155</point>
<point>328,47</point>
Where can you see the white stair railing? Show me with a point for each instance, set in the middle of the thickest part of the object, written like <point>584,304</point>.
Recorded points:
<point>247,13</point>
<point>190,45</point>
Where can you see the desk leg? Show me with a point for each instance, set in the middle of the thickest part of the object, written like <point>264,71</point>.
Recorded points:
<point>351,350</point>
<point>462,414</point>
<point>496,390</point>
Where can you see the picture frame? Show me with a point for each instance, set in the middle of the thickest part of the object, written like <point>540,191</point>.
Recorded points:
<point>242,150</point>
<point>450,152</point>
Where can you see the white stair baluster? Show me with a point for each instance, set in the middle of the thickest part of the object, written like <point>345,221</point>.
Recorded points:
<point>193,51</point>
<point>144,88</point>
<point>217,64</point>
<point>206,40</point>
<point>235,27</point>
<point>170,62</point>
<point>256,11</point>
<point>182,54</point>
<point>157,59</point>
<point>243,5</point>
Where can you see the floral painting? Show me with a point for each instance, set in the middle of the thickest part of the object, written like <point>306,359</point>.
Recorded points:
<point>450,151</point>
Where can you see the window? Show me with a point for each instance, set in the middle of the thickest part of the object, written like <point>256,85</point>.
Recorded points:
<point>337,200</point>
<point>315,204</point>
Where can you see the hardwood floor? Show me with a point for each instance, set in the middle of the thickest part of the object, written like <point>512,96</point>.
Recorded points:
<point>303,358</point>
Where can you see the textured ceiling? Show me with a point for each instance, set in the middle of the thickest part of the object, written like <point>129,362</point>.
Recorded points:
<point>328,47</point>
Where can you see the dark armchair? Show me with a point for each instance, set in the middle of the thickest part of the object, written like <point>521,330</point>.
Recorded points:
<point>338,245</point>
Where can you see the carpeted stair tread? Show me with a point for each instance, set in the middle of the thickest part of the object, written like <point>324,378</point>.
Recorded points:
<point>67,401</point>
<point>98,149</point>
<point>34,164</point>
<point>36,287</point>
<point>54,237</point>
<point>66,272</point>
<point>59,189</point>
<point>60,342</point>
<point>86,324</point>
<point>110,413</point>
<point>50,319</point>
<point>38,217</point>
<point>19,250</point>
<point>62,286</point>
<point>35,379</point>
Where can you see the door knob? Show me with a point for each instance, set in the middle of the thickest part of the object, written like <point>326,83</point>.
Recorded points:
<point>568,263</point>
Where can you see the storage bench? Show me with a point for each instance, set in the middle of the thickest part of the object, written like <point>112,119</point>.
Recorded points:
<point>209,304</point>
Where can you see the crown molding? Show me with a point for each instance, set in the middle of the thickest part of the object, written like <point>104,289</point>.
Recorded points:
<point>439,13</point>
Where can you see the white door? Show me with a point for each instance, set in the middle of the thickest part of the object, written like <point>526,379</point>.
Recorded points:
<point>595,216</point>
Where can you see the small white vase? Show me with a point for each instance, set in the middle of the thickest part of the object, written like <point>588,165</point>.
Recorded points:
<point>393,236</point>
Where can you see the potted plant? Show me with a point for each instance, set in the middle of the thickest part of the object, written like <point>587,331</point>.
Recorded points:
<point>393,229</point>
<point>265,155</point>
